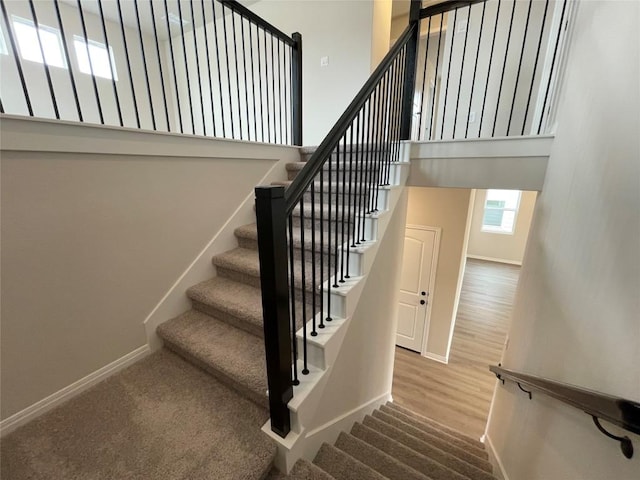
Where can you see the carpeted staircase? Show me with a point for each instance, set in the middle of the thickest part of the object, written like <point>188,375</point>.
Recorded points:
<point>395,443</point>
<point>164,419</point>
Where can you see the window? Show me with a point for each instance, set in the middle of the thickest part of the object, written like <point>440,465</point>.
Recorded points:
<point>29,43</point>
<point>500,211</point>
<point>101,61</point>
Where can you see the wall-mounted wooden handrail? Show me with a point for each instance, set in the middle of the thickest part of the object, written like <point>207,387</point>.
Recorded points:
<point>620,411</point>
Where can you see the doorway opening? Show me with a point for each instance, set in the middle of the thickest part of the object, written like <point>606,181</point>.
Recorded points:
<point>441,370</point>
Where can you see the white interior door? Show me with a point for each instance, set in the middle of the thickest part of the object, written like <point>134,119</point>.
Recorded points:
<point>419,263</point>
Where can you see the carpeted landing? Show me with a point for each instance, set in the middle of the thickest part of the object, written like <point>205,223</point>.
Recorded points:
<point>158,419</point>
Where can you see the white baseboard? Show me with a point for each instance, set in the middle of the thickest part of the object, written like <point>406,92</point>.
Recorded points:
<point>494,459</point>
<point>493,259</point>
<point>18,419</point>
<point>436,357</point>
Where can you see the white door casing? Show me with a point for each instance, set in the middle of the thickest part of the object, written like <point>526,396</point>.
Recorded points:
<point>419,263</point>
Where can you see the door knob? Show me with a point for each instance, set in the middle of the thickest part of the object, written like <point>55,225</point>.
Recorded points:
<point>422,302</point>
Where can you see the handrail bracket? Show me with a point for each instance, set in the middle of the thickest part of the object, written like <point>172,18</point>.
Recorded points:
<point>625,442</point>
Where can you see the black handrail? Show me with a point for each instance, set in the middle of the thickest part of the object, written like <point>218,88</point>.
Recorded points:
<point>619,411</point>
<point>259,21</point>
<point>446,7</point>
<point>304,178</point>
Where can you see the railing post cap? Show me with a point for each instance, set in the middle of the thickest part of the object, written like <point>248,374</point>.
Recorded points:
<point>269,191</point>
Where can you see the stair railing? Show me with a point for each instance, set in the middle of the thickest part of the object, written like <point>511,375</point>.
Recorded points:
<point>308,232</point>
<point>618,411</point>
<point>199,67</point>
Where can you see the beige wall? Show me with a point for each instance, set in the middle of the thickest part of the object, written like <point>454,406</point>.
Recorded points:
<point>326,27</point>
<point>448,209</point>
<point>92,241</point>
<point>500,246</point>
<point>381,31</point>
<point>577,309</point>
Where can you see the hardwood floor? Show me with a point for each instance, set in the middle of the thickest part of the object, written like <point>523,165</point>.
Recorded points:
<point>459,394</point>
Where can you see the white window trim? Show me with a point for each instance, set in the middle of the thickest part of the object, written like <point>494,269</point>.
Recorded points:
<point>499,230</point>
<point>55,31</point>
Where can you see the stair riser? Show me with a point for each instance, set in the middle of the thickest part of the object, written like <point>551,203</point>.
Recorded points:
<point>350,198</point>
<point>228,318</point>
<point>297,252</point>
<point>353,177</point>
<point>365,231</point>
<point>366,152</point>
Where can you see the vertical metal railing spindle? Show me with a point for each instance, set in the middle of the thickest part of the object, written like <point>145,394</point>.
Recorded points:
<point>462,62</point>
<point>198,70</point>
<point>344,206</point>
<point>303,289</point>
<point>113,77</point>
<point>435,83</point>
<point>144,65</point>
<point>93,77</point>
<point>159,58</point>
<point>65,47</point>
<point>292,298</point>
<point>45,64</point>
<point>515,88</point>
<point>424,78</point>
<point>235,60</point>
<point>504,66</point>
<point>313,259</point>
<point>244,71</point>
<point>446,88</point>
<point>475,69</point>
<point>186,66</point>
<point>221,96</point>
<point>173,63</point>
<point>351,215</point>
<point>486,85</point>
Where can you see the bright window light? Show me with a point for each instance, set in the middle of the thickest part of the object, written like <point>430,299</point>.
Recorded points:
<point>100,59</point>
<point>500,211</point>
<point>29,43</point>
<point>3,44</point>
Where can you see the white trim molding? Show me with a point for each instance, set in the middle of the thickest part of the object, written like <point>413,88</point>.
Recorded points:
<point>493,259</point>
<point>494,459</point>
<point>436,357</point>
<point>22,417</point>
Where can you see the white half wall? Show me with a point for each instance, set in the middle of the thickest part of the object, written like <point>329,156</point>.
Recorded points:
<point>98,223</point>
<point>575,317</point>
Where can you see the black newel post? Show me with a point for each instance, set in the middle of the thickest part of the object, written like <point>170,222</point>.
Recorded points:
<point>410,70</point>
<point>272,247</point>
<point>296,89</point>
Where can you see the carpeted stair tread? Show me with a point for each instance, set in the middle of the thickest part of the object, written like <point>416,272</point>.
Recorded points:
<point>240,303</point>
<point>404,454</point>
<point>433,440</point>
<point>250,233</point>
<point>443,457</point>
<point>439,426</point>
<point>161,418</point>
<point>429,429</point>
<point>305,470</point>
<point>377,459</point>
<point>342,466</point>
<point>233,356</point>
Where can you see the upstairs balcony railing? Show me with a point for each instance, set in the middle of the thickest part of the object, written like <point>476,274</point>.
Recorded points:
<point>200,67</point>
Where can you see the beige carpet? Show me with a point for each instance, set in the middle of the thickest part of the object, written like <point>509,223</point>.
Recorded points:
<point>162,418</point>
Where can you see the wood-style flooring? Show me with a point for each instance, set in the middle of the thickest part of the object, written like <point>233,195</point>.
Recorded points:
<point>459,394</point>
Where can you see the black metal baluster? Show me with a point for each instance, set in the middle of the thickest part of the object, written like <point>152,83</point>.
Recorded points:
<point>113,77</point>
<point>1,106</point>
<point>486,85</point>
<point>253,87</point>
<point>215,34</point>
<point>44,61</point>
<point>351,214</point>
<point>337,212</point>
<point>504,65</point>
<point>266,81</point>
<point>515,88</point>
<point>553,64</point>
<point>16,57</point>
<point>173,63</point>
<point>462,62</point>
<point>391,123</point>
<point>164,92</point>
<point>305,370</point>
<point>244,70</point>
<point>273,93</point>
<point>330,200</point>
<point>186,67</point>
<point>198,70</point>
<point>535,65</point>
<point>424,77</point>
<point>446,89</point>
<point>475,67</point>
<point>93,77</point>
<point>435,82</point>
<point>126,53</point>
<point>287,93</point>
<point>322,316</point>
<point>378,141</point>
<point>282,140</point>
<point>358,187</point>
<point>260,82</point>
<point>344,205</point>
<point>68,59</point>
<point>292,296</point>
<point>226,51</point>
<point>235,58</point>
<point>313,258</point>
<point>144,64</point>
